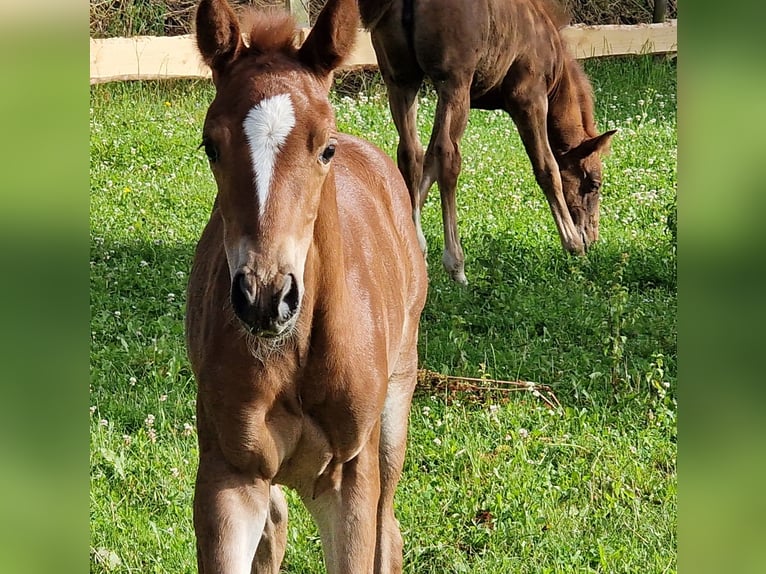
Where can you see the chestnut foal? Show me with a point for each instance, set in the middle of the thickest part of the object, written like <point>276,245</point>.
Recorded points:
<point>490,54</point>
<point>303,306</point>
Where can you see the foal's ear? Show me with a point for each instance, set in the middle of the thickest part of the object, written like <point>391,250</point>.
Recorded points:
<point>332,37</point>
<point>600,144</point>
<point>218,36</point>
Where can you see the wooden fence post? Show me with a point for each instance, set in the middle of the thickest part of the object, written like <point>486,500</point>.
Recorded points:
<point>298,9</point>
<point>660,8</point>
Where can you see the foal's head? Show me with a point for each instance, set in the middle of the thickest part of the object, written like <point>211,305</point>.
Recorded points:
<point>578,147</point>
<point>269,135</point>
<point>580,170</point>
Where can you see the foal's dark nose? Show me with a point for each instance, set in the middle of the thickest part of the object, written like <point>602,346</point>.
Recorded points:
<point>266,308</point>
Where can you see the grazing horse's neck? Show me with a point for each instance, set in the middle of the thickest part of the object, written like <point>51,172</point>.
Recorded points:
<point>570,109</point>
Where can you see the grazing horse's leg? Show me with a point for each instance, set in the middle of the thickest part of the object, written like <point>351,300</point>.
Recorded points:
<point>393,443</point>
<point>403,77</point>
<point>443,161</point>
<point>271,549</point>
<point>403,101</point>
<point>230,513</point>
<point>527,103</point>
<point>346,512</point>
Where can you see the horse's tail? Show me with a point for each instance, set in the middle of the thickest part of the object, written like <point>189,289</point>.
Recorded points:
<point>408,23</point>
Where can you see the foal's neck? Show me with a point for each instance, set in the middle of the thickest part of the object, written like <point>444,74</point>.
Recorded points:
<point>570,109</point>
<point>327,280</point>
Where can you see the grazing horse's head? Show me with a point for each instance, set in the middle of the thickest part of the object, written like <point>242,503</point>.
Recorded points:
<point>269,135</point>
<point>580,170</point>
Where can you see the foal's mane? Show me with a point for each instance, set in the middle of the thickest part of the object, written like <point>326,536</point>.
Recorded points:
<point>269,31</point>
<point>584,94</point>
<point>572,70</point>
<point>558,14</point>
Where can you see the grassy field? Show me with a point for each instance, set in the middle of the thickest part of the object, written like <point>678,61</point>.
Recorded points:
<point>495,481</point>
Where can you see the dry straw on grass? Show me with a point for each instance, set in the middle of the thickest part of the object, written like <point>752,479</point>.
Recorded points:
<point>109,18</point>
<point>476,390</point>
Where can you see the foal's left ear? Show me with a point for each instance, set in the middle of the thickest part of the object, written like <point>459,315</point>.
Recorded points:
<point>600,144</point>
<point>332,37</point>
<point>218,36</point>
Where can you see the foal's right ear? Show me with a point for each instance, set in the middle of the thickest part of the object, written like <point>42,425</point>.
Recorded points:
<point>332,38</point>
<point>218,36</point>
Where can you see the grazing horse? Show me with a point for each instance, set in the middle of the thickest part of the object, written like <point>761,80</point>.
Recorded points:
<point>303,305</point>
<point>490,54</point>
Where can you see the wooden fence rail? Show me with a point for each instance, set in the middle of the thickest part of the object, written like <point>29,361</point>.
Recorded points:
<point>157,58</point>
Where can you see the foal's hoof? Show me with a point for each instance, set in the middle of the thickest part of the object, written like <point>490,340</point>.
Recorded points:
<point>455,267</point>
<point>575,247</point>
<point>459,277</point>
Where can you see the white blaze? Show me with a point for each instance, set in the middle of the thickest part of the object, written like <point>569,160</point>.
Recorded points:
<point>266,127</point>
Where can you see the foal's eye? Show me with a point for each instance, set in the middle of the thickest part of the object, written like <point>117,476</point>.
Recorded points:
<point>211,151</point>
<point>592,182</point>
<point>328,152</point>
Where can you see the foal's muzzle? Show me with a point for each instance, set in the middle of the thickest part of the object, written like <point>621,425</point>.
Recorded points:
<point>267,309</point>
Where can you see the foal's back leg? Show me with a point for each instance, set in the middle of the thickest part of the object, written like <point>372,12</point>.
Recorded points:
<point>443,163</point>
<point>527,102</point>
<point>393,444</point>
<point>403,101</point>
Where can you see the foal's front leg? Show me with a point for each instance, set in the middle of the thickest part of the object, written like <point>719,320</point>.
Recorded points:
<point>346,512</point>
<point>230,513</point>
<point>271,549</point>
<point>528,106</point>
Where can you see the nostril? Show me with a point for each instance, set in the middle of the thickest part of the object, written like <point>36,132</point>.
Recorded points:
<point>242,293</point>
<point>290,298</point>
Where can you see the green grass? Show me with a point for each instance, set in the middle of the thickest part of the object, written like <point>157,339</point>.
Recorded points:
<point>494,481</point>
